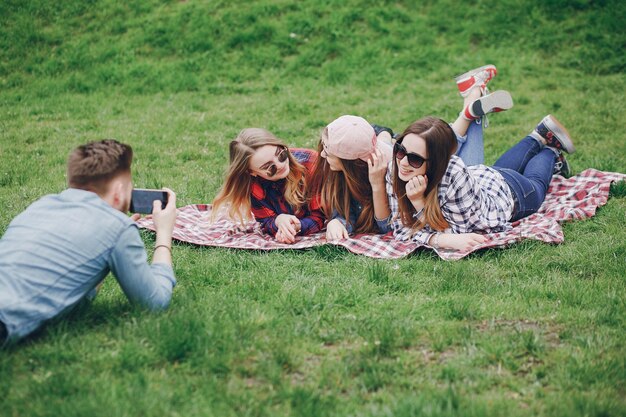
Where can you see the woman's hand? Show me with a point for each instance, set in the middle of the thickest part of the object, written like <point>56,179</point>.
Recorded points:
<point>461,241</point>
<point>283,238</point>
<point>377,169</point>
<point>336,230</point>
<point>415,188</point>
<point>288,227</point>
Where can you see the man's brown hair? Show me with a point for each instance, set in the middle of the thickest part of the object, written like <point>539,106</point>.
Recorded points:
<point>92,166</point>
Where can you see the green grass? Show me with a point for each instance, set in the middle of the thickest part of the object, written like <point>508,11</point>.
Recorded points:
<point>534,329</point>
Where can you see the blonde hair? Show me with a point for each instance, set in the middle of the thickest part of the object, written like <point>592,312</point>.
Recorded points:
<point>441,144</point>
<point>236,189</point>
<point>337,188</point>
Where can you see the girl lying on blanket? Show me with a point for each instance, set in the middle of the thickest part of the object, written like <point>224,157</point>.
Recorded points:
<point>350,176</point>
<point>269,180</point>
<point>446,204</point>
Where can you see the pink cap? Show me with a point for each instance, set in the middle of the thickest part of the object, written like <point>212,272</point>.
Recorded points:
<point>349,137</point>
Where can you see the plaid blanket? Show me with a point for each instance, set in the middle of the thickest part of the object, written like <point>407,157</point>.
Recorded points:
<point>567,199</point>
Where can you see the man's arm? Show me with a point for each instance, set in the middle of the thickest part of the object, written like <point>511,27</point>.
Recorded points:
<point>150,286</point>
<point>164,220</point>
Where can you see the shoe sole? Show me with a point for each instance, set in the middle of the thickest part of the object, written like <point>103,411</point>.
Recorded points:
<point>560,132</point>
<point>469,73</point>
<point>497,101</point>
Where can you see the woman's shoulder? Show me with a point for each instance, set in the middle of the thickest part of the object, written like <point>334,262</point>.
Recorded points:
<point>456,164</point>
<point>456,177</point>
<point>306,157</point>
<point>256,190</point>
<point>386,149</point>
<point>303,155</point>
<point>456,167</point>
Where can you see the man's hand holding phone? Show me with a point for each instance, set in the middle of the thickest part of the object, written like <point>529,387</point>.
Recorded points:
<point>142,200</point>
<point>162,205</point>
<point>165,218</point>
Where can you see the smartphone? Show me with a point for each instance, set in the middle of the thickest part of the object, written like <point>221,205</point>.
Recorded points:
<point>141,200</point>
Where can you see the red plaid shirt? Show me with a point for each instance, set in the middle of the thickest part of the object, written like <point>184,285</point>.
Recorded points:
<point>268,200</point>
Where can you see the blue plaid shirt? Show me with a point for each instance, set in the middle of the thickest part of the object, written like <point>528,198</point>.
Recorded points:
<point>472,199</point>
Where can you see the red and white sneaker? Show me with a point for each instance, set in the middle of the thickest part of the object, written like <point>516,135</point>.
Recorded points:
<point>493,103</point>
<point>476,77</point>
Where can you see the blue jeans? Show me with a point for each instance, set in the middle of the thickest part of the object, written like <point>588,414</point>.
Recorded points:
<point>470,147</point>
<point>527,168</point>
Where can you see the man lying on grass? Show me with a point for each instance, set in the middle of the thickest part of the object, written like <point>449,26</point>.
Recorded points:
<point>61,248</point>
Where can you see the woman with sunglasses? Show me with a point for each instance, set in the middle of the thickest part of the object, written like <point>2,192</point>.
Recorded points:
<point>268,180</point>
<point>350,176</point>
<point>443,203</point>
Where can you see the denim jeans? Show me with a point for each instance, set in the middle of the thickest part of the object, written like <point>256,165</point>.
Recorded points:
<point>470,147</point>
<point>527,168</point>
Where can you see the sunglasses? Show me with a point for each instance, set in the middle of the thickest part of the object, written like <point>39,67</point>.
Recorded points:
<point>281,154</point>
<point>415,160</point>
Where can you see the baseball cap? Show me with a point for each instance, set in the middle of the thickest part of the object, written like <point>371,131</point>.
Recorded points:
<point>349,137</point>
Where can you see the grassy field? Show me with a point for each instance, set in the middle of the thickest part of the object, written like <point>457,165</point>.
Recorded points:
<point>534,329</point>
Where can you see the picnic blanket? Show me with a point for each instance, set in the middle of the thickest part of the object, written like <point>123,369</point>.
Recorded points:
<point>574,198</point>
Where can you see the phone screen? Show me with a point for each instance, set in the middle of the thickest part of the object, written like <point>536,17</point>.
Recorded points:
<point>141,200</point>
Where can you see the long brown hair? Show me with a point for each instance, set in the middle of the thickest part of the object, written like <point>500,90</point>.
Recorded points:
<point>336,188</point>
<point>236,188</point>
<point>441,144</point>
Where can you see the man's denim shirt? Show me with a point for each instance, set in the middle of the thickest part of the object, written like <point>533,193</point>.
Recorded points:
<point>56,252</point>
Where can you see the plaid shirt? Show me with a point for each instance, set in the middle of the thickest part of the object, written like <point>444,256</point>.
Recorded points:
<point>268,200</point>
<point>472,199</point>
